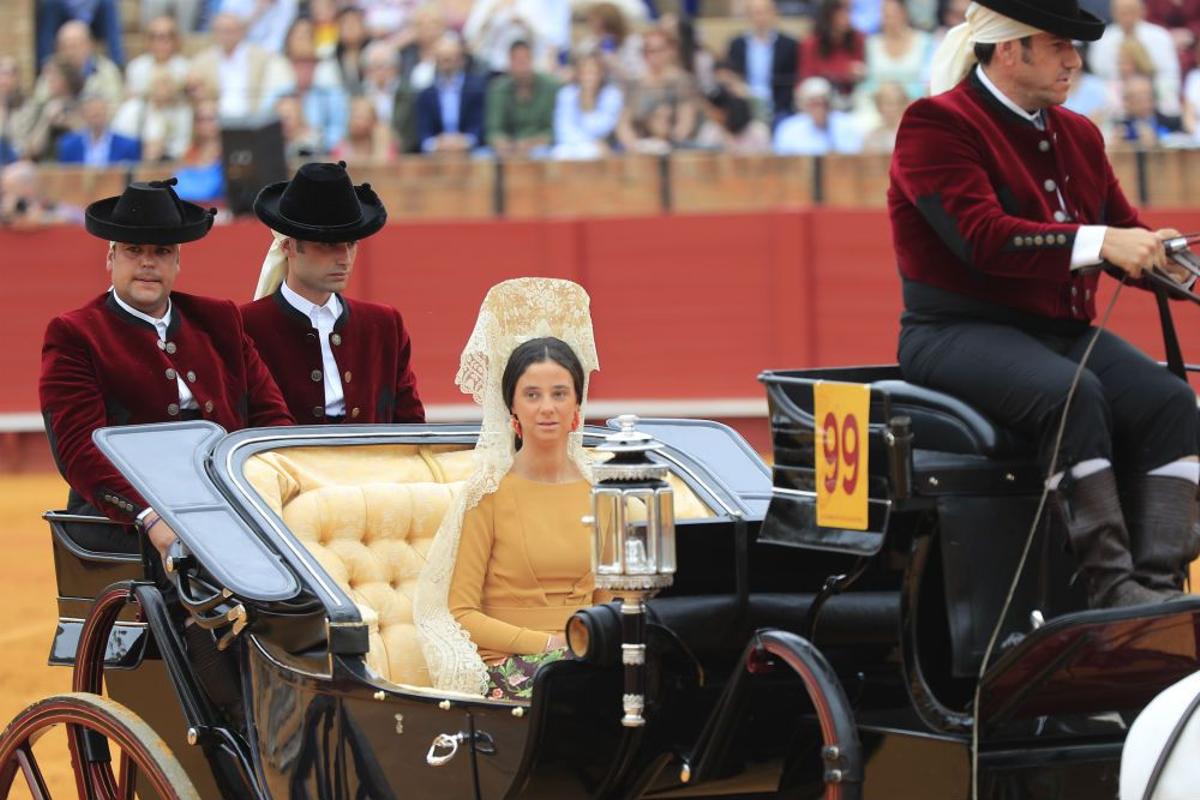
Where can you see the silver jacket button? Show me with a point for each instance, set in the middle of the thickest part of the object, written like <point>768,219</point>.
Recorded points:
<point>1050,185</point>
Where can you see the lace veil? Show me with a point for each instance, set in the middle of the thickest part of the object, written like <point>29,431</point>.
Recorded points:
<point>513,312</point>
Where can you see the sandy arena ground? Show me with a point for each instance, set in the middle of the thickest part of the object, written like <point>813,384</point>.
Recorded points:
<point>27,594</point>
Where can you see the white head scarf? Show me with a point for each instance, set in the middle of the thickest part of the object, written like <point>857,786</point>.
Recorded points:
<point>956,54</point>
<point>513,312</point>
<point>274,268</point>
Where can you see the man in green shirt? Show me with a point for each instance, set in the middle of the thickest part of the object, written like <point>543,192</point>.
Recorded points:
<point>520,107</point>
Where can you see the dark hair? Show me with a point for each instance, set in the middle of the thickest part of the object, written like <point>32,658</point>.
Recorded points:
<point>539,351</point>
<point>519,44</point>
<point>985,52</point>
<point>738,114</point>
<point>827,45</point>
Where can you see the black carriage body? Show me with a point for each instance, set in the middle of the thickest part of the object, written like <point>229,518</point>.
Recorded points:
<point>738,703</point>
<point>959,496</point>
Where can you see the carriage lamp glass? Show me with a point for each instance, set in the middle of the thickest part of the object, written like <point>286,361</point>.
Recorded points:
<point>633,519</point>
<point>633,546</point>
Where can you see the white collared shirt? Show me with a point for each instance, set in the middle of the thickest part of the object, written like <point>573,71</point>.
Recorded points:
<point>186,399</point>
<point>233,72</point>
<point>323,319</point>
<point>1089,239</point>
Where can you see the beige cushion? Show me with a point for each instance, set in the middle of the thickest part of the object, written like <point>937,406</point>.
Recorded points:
<point>368,514</point>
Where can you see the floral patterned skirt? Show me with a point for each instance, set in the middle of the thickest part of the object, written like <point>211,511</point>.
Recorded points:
<point>512,678</point>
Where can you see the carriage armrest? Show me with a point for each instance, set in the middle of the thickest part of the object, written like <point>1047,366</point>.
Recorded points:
<point>945,423</point>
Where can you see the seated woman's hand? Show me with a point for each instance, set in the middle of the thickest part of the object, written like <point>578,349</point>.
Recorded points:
<point>557,641</point>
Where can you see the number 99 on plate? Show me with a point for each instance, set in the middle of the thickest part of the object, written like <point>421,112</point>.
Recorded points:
<point>842,413</point>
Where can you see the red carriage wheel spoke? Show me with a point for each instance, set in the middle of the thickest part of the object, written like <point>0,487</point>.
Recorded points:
<point>127,777</point>
<point>94,725</point>
<point>33,773</point>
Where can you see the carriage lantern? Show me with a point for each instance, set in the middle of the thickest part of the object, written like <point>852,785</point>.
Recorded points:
<point>633,544</point>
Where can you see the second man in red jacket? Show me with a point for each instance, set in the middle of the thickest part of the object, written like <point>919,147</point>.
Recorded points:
<point>334,359</point>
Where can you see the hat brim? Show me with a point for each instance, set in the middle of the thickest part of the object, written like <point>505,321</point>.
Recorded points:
<point>1085,26</point>
<point>373,216</point>
<point>97,218</point>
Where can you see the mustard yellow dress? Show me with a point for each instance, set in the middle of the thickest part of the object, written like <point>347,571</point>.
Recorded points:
<point>523,566</point>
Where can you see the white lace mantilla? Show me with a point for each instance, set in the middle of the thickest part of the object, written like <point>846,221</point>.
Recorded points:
<point>513,312</point>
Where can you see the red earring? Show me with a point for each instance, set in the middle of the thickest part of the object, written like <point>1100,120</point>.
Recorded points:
<point>516,424</point>
<point>575,424</point>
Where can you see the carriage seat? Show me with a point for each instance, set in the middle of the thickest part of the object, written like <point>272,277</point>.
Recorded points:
<point>368,514</point>
<point>946,424</point>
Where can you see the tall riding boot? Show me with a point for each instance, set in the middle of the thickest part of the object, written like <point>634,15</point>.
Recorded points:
<point>1162,514</point>
<point>1096,529</point>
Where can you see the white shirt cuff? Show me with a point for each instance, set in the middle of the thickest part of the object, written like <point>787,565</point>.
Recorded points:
<point>144,513</point>
<point>1089,239</point>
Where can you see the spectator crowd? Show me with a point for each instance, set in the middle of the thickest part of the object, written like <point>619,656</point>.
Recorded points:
<point>366,81</point>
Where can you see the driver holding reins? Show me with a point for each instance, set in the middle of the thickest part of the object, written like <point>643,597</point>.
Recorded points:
<point>999,200</point>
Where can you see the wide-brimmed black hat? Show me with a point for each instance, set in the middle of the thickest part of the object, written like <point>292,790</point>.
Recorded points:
<point>321,204</point>
<point>1060,17</point>
<point>148,213</point>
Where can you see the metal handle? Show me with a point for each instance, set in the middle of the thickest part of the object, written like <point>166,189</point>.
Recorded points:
<point>443,741</point>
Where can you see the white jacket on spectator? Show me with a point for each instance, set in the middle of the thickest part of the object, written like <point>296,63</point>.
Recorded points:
<point>140,69</point>
<point>266,23</point>
<point>494,25</point>
<point>162,131</point>
<point>1103,56</point>
<point>248,82</point>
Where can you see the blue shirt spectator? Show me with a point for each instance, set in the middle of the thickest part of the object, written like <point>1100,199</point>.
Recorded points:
<point>326,107</point>
<point>586,112</point>
<point>817,129</point>
<point>96,145</point>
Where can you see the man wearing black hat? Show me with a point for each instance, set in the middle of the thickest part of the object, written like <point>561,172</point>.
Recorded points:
<point>999,198</point>
<point>142,353</point>
<point>335,359</point>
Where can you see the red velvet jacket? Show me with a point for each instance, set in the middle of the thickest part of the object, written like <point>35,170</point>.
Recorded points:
<point>974,196</point>
<point>369,344</point>
<point>102,366</point>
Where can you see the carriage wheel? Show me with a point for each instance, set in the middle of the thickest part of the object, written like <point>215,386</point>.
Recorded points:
<point>93,724</point>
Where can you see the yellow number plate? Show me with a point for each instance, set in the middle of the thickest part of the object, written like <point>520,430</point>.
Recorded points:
<point>842,411</point>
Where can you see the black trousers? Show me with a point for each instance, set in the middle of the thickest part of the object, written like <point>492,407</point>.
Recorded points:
<point>1127,408</point>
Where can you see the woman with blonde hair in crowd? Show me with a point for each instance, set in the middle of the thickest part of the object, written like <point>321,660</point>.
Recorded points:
<point>586,111</point>
<point>161,120</point>
<point>664,94</point>
<point>200,175</point>
<point>368,141</point>
<point>899,53</point>
<point>890,101</point>
<point>608,35</point>
<point>47,116</point>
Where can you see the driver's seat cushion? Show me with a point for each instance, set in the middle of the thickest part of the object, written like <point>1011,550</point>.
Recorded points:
<point>369,514</point>
<point>946,424</point>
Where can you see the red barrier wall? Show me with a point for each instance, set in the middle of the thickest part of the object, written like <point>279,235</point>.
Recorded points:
<point>684,306</point>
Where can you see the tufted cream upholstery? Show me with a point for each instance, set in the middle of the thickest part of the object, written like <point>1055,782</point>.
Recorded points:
<point>368,514</point>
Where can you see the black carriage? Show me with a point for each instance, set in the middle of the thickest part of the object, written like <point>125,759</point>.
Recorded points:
<point>793,657</point>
